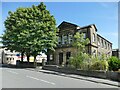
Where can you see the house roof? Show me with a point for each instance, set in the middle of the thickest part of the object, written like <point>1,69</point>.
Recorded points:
<point>104,38</point>
<point>67,23</point>
<point>89,26</point>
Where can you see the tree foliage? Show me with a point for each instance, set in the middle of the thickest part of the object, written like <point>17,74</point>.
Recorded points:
<point>30,30</point>
<point>79,43</point>
<point>114,63</point>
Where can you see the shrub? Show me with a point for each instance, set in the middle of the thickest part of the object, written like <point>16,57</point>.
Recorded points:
<point>86,62</point>
<point>79,61</point>
<point>114,63</point>
<point>99,65</point>
<point>75,61</point>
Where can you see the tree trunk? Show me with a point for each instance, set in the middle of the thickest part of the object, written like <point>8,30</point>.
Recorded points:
<point>28,58</point>
<point>22,54</point>
<point>48,56</point>
<point>35,63</point>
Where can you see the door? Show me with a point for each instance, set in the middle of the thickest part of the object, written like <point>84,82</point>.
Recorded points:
<point>60,58</point>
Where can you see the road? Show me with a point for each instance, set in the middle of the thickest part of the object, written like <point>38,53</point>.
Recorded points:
<point>22,78</point>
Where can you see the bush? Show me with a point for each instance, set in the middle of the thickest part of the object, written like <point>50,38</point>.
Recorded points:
<point>99,65</point>
<point>114,63</point>
<point>75,62</point>
<point>79,61</point>
<point>86,62</point>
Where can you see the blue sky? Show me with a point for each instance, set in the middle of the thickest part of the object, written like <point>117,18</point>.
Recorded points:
<point>103,15</point>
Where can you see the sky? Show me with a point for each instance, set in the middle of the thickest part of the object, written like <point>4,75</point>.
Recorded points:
<point>103,14</point>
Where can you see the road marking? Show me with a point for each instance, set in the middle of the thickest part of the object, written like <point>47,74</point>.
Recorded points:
<point>13,72</point>
<point>41,80</point>
<point>48,82</point>
<point>32,77</point>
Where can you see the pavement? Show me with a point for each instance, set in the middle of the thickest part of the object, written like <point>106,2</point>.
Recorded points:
<point>91,79</point>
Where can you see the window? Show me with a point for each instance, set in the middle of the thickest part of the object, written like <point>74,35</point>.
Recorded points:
<point>93,37</point>
<point>59,40</point>
<point>84,35</point>
<point>102,43</point>
<point>70,38</point>
<point>105,45</point>
<point>109,46</point>
<point>98,41</point>
<point>65,40</point>
<point>68,54</point>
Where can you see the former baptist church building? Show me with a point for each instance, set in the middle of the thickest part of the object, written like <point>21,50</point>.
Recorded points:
<point>97,46</point>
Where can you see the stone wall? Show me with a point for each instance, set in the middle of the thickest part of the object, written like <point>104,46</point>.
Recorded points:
<point>99,74</point>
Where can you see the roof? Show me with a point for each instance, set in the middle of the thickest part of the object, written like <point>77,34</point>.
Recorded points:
<point>89,26</point>
<point>103,38</point>
<point>64,22</point>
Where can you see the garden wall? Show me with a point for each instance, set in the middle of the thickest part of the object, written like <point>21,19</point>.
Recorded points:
<point>99,74</point>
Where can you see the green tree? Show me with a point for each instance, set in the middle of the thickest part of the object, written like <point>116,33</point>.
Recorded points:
<point>79,43</point>
<point>12,39</point>
<point>30,30</point>
<point>114,63</point>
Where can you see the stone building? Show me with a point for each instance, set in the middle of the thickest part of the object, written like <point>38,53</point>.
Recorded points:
<point>97,46</point>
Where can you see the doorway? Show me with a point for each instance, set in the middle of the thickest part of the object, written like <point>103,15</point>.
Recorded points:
<point>60,58</point>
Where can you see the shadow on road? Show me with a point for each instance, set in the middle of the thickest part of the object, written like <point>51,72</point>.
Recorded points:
<point>13,66</point>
